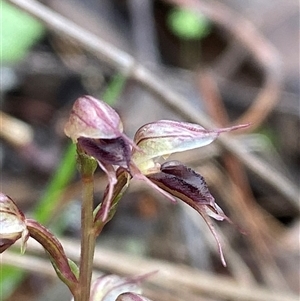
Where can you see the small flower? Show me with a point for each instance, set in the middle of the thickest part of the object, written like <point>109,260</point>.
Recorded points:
<point>164,137</point>
<point>12,224</point>
<point>98,131</point>
<point>94,119</point>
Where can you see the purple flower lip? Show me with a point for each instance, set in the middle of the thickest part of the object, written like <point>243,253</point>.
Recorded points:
<point>189,186</point>
<point>114,151</point>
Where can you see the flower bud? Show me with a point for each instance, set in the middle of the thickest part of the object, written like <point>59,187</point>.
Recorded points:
<point>93,118</point>
<point>12,224</point>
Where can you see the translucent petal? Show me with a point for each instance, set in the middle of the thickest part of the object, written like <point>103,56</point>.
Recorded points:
<point>164,137</point>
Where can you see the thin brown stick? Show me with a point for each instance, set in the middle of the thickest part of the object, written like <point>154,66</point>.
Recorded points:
<point>127,65</point>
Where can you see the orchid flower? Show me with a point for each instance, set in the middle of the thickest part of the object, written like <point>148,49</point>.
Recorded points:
<point>98,131</point>
<point>164,137</point>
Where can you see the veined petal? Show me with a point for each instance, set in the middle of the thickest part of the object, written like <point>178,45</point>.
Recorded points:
<point>164,137</point>
<point>93,118</point>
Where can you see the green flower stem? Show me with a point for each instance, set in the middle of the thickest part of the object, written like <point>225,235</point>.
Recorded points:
<point>88,239</point>
<point>87,167</point>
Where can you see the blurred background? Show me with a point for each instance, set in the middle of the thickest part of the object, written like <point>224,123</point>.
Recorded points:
<point>232,61</point>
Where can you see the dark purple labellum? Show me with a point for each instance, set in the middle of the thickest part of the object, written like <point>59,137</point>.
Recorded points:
<point>183,182</point>
<point>108,151</point>
<point>190,187</point>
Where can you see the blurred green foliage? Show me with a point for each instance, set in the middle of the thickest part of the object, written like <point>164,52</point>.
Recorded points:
<point>19,32</point>
<point>187,24</point>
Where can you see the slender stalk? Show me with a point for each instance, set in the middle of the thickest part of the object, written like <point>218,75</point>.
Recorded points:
<point>87,167</point>
<point>88,238</point>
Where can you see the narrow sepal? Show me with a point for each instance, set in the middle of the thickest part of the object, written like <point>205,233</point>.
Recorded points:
<point>106,210</point>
